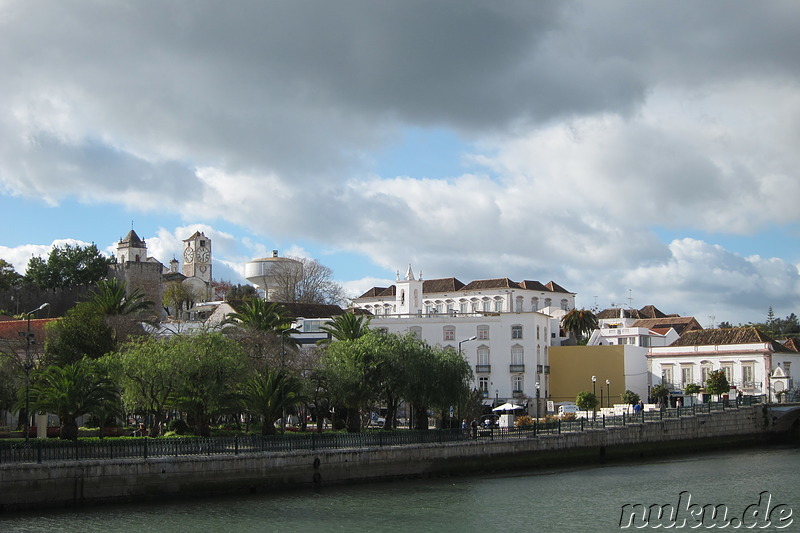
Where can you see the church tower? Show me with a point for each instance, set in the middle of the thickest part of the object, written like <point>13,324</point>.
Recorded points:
<point>131,249</point>
<point>408,293</point>
<point>197,257</point>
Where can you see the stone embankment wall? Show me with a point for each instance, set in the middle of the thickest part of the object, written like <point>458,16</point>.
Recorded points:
<point>79,482</point>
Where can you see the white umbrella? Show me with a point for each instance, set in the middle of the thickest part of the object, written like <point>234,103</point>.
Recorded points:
<point>507,407</point>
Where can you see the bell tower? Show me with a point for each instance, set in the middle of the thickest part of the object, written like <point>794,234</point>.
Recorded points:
<point>197,257</point>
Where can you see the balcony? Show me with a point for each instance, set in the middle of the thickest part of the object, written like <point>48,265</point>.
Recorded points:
<point>516,368</point>
<point>483,369</point>
<point>517,394</point>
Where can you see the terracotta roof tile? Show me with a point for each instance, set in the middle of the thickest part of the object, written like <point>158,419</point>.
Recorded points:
<point>711,337</point>
<point>431,286</point>
<point>681,324</point>
<point>496,283</point>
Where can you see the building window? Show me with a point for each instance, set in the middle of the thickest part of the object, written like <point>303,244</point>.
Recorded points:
<point>564,306</point>
<point>517,355</point>
<point>498,305</point>
<point>534,304</point>
<point>786,366</point>
<point>705,370</point>
<point>516,331</point>
<point>483,356</point>
<point>483,333</point>
<point>537,332</point>
<point>416,331</point>
<point>518,303</point>
<point>747,375</point>
<point>686,375</point>
<point>487,305</point>
<point>728,369</point>
<point>449,333</point>
<point>666,376</point>
<point>516,384</point>
<point>450,308</point>
<point>548,302</point>
<point>483,386</point>
<point>429,310</point>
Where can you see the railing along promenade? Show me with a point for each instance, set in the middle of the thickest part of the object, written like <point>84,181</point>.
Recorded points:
<point>48,450</point>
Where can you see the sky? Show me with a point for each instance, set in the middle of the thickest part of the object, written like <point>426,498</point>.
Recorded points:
<point>634,152</point>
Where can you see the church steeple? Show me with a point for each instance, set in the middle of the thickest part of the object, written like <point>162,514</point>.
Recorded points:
<point>408,296</point>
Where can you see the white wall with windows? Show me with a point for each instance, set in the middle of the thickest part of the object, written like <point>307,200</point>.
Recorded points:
<point>748,367</point>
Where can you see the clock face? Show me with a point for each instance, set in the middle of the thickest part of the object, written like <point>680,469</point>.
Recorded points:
<point>188,255</point>
<point>203,254</point>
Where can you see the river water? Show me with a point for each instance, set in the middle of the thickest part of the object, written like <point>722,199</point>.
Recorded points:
<point>554,500</point>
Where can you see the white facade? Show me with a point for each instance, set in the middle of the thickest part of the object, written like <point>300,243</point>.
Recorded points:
<point>749,367</point>
<point>500,326</point>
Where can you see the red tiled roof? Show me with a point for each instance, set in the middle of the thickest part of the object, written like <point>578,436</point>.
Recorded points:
<point>681,324</point>
<point>744,335</point>
<point>9,329</point>
<point>431,286</point>
<point>496,283</point>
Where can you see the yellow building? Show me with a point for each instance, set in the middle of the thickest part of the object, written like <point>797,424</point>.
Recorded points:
<point>616,368</point>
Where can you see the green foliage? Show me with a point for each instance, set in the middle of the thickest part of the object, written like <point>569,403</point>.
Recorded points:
<point>212,367</point>
<point>717,383</point>
<point>179,297</point>
<point>8,276</point>
<point>68,266</point>
<point>71,391</point>
<point>629,397</point>
<point>586,401</point>
<point>81,332</point>
<point>659,392</point>
<point>691,389</point>
<point>110,298</point>
<point>269,394</point>
<point>178,426</point>
<point>579,322</point>
<point>346,327</point>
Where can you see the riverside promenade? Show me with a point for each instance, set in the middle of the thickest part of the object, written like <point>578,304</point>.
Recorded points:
<point>237,467</point>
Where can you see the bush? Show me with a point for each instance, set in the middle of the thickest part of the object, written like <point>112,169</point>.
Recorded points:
<point>178,426</point>
<point>523,421</point>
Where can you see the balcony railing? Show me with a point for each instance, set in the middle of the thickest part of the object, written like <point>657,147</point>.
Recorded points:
<point>516,368</point>
<point>483,369</point>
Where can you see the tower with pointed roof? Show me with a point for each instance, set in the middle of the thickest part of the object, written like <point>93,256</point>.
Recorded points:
<point>408,295</point>
<point>131,248</point>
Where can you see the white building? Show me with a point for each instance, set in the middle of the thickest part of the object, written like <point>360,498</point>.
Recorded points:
<point>753,363</point>
<point>503,328</point>
<point>643,327</point>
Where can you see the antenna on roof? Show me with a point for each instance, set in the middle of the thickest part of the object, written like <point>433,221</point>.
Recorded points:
<point>630,298</point>
<point>711,319</point>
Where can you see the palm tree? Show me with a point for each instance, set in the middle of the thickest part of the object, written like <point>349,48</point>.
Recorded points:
<point>346,327</point>
<point>72,391</point>
<point>578,322</point>
<point>110,299</point>
<point>270,394</point>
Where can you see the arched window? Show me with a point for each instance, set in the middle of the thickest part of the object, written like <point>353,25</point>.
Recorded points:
<point>534,304</point>
<point>498,304</point>
<point>483,356</point>
<point>518,304</point>
<point>517,355</point>
<point>564,304</point>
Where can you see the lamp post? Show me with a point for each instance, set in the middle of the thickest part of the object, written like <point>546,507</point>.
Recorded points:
<point>496,397</point>
<point>608,392</point>
<point>28,367</point>
<point>594,391</point>
<point>462,342</point>
<point>538,415</point>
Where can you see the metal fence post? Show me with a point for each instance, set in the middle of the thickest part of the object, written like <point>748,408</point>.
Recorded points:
<point>145,448</point>
<point>236,445</point>
<point>38,451</point>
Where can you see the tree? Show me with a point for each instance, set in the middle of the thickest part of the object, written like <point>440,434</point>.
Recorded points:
<point>348,326</point>
<point>68,266</point>
<point>659,393</point>
<point>579,322</point>
<point>110,298</point>
<point>212,368</point>
<point>149,372</point>
<point>310,282</point>
<point>270,394</point>
<point>586,401</point>
<point>717,383</point>
<point>629,397</point>
<point>81,332</point>
<point>179,297</point>
<point>691,390</point>
<point>265,330</point>
<point>72,391</point>
<point>8,276</point>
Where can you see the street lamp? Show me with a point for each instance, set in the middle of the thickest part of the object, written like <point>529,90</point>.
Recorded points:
<point>28,366</point>
<point>608,392</point>
<point>594,391</point>
<point>537,401</point>
<point>496,397</point>
<point>465,340</point>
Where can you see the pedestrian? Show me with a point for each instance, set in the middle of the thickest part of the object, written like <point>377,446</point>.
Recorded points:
<point>474,425</point>
<point>678,403</point>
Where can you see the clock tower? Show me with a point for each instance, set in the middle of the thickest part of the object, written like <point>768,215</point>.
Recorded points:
<point>197,257</point>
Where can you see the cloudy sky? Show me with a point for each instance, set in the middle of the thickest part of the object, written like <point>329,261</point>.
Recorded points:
<point>634,152</point>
